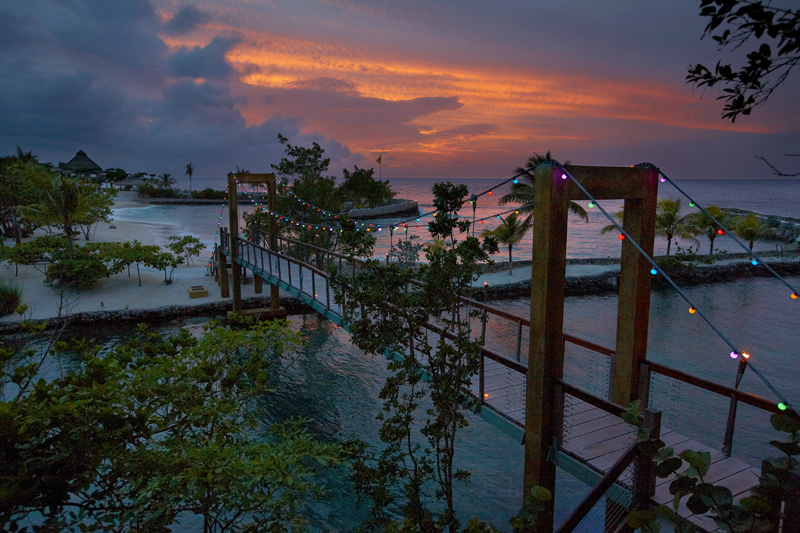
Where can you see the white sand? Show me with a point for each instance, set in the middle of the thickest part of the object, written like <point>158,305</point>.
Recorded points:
<point>121,291</point>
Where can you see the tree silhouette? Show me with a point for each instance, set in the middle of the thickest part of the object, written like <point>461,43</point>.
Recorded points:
<point>189,172</point>
<point>522,192</point>
<point>166,180</point>
<point>509,232</point>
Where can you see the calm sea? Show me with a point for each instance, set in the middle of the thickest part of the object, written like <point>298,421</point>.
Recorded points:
<point>776,197</point>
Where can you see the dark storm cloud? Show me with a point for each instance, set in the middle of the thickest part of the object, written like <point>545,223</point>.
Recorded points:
<point>186,20</point>
<point>15,30</point>
<point>95,75</point>
<point>207,61</point>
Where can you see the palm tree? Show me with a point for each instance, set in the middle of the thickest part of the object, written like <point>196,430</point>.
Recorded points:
<point>64,205</point>
<point>166,180</point>
<point>510,232</point>
<point>189,172</point>
<point>703,225</point>
<point>668,221</point>
<point>522,192</point>
<point>751,229</point>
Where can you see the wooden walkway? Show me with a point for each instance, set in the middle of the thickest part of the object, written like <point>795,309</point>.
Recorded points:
<point>592,437</point>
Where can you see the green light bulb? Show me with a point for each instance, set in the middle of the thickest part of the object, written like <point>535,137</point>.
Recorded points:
<point>782,406</point>
<point>691,204</point>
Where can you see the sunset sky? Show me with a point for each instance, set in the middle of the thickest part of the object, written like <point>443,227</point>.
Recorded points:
<point>450,88</point>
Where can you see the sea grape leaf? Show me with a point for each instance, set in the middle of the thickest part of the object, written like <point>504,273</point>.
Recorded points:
<point>666,468</point>
<point>785,423</point>
<point>788,448</point>
<point>696,504</point>
<point>699,460</point>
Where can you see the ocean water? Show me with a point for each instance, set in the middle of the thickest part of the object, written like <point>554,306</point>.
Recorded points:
<point>776,197</point>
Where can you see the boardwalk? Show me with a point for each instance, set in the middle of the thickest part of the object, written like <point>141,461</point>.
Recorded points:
<point>592,435</point>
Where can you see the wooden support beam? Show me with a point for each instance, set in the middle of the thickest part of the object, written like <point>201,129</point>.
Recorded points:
<point>222,268</point>
<point>633,315</point>
<point>233,228</point>
<point>546,349</point>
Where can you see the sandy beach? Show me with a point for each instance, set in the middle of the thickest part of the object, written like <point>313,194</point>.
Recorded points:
<point>121,291</point>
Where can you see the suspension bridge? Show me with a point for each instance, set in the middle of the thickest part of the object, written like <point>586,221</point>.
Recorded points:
<point>520,387</point>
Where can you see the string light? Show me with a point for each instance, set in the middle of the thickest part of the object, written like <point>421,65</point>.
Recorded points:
<point>720,232</point>
<point>782,406</point>
<point>490,193</point>
<point>754,262</point>
<point>591,205</point>
<point>692,310</point>
<point>734,355</point>
<point>793,296</point>
<point>621,236</point>
<point>516,181</point>
<point>563,176</point>
<point>663,179</point>
<point>653,271</point>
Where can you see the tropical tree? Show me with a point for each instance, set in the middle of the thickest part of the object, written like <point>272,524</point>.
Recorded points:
<point>22,182</point>
<point>166,180</point>
<point>703,225</point>
<point>669,223</point>
<point>63,206</point>
<point>751,228</point>
<point>189,172</point>
<point>522,192</point>
<point>509,232</point>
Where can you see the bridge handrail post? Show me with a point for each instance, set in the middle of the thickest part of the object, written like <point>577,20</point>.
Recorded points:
<point>727,443</point>
<point>519,339</point>
<point>300,269</point>
<point>644,472</point>
<point>313,286</point>
<point>558,418</point>
<point>645,374</point>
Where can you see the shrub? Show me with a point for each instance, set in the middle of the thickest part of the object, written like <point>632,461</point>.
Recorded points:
<point>209,194</point>
<point>158,192</point>
<point>10,297</point>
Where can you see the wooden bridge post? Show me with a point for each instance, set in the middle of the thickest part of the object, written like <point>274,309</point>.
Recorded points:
<point>233,227</point>
<point>272,205</point>
<point>546,348</point>
<point>222,268</point>
<point>633,314</point>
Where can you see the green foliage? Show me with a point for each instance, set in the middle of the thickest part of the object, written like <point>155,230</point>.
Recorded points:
<point>155,191</point>
<point>157,427</point>
<point>535,503</point>
<point>509,232</point>
<point>115,174</point>
<point>388,314</point>
<point>702,224</point>
<point>360,188</point>
<point>752,513</point>
<point>406,252</point>
<point>354,241</point>
<point>10,297</point>
<point>22,183</point>
<point>209,194</point>
<point>68,205</point>
<point>166,180</point>
<point>186,246</point>
<point>751,228</point>
<point>752,84</point>
<point>522,192</point>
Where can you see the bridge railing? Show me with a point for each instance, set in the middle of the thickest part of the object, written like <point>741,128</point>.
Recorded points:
<point>294,252</point>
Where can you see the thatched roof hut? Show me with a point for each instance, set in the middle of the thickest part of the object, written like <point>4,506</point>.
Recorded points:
<point>130,181</point>
<point>81,164</point>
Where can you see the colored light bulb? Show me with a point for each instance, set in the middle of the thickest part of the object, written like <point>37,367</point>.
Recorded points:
<point>563,176</point>
<point>516,181</point>
<point>591,204</point>
<point>720,232</point>
<point>621,236</point>
<point>653,271</point>
<point>516,212</point>
<point>734,355</point>
<point>782,406</point>
<point>794,296</point>
<point>691,204</point>
<point>692,310</point>
<point>663,179</point>
<point>490,193</point>
<point>754,261</point>
<point>746,355</point>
